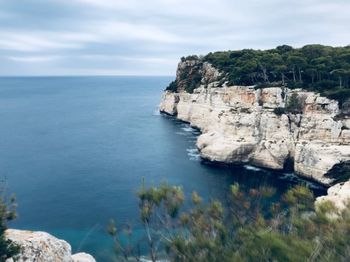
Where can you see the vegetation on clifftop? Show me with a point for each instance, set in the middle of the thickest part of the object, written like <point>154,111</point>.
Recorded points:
<point>318,68</point>
<point>312,66</point>
<point>245,228</point>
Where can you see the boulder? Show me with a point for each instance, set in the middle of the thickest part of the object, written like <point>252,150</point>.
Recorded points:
<point>43,247</point>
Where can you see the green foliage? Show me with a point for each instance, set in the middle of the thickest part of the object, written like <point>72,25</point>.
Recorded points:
<point>190,57</point>
<point>279,111</point>
<point>299,197</point>
<point>193,81</point>
<point>341,95</point>
<point>7,213</point>
<point>189,77</point>
<point>172,86</point>
<point>295,105</point>
<point>313,67</point>
<point>246,229</point>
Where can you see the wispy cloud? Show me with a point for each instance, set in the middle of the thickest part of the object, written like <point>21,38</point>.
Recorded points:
<point>33,41</point>
<point>33,59</point>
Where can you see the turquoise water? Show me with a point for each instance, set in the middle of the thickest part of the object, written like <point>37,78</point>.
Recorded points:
<point>74,150</point>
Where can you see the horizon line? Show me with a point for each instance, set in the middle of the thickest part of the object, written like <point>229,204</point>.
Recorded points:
<point>2,76</point>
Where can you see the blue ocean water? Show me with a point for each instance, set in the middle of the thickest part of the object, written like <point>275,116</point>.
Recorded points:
<point>74,150</point>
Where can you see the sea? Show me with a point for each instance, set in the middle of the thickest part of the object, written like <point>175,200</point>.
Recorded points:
<point>75,150</point>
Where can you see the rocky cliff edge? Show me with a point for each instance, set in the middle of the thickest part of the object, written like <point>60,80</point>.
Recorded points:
<point>241,124</point>
<point>43,247</point>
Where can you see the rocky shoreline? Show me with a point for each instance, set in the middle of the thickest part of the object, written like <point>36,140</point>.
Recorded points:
<point>249,125</point>
<point>239,125</point>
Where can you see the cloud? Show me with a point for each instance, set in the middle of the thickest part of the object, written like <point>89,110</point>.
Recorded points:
<point>148,37</point>
<point>33,59</point>
<point>24,42</point>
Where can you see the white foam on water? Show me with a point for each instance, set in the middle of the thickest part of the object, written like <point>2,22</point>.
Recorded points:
<point>252,168</point>
<point>156,112</point>
<point>188,129</point>
<point>193,153</point>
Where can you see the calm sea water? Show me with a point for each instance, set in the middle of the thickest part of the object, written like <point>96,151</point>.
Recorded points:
<point>74,150</point>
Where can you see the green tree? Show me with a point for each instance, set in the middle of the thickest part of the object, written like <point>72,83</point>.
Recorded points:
<point>247,228</point>
<point>296,63</point>
<point>295,104</point>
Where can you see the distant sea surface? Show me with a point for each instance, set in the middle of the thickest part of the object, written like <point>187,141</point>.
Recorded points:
<point>74,150</point>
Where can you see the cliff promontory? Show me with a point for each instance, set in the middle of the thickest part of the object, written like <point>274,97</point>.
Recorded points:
<point>270,127</point>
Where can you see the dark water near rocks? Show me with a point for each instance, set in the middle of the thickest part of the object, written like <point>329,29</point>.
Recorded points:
<point>75,150</point>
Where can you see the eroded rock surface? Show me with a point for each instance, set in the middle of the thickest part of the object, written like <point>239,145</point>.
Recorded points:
<point>239,124</point>
<point>43,247</point>
<point>338,195</point>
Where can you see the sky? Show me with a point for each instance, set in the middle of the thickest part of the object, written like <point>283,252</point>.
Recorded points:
<point>148,37</point>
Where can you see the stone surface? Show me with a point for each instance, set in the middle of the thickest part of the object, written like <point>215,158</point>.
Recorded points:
<point>239,125</point>
<point>43,247</point>
<point>82,257</point>
<point>338,194</point>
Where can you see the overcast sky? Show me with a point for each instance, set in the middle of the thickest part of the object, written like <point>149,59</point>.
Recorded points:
<point>147,37</point>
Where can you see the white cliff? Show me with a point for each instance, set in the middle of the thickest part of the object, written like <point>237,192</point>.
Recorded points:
<point>239,125</point>
<point>43,247</point>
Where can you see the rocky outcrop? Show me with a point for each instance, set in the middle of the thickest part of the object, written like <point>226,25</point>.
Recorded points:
<point>242,124</point>
<point>192,72</point>
<point>338,195</point>
<point>43,247</point>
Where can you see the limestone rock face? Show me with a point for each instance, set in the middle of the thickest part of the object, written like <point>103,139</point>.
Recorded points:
<point>169,102</point>
<point>239,124</point>
<point>43,247</point>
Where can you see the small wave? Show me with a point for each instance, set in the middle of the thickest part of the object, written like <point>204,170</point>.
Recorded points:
<point>188,129</point>
<point>182,133</point>
<point>252,168</point>
<point>193,153</point>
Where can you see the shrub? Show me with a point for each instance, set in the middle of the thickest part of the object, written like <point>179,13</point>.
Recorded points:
<point>339,94</point>
<point>279,111</point>
<point>7,212</point>
<point>172,86</point>
<point>295,104</point>
<point>246,229</point>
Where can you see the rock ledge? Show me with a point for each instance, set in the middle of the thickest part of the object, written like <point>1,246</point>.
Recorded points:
<point>43,247</point>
